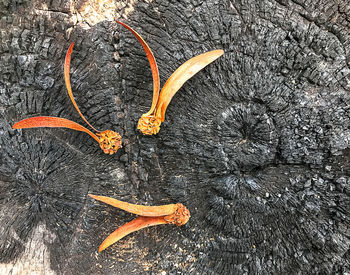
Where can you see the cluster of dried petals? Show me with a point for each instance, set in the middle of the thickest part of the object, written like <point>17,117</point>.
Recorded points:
<point>109,141</point>
<point>148,216</point>
<point>180,217</point>
<point>149,125</point>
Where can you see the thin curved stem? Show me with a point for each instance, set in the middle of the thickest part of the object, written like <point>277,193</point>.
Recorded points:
<point>69,88</point>
<point>153,65</point>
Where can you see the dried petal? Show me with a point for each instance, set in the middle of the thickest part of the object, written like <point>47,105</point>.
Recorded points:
<point>141,210</point>
<point>134,225</point>
<point>180,76</point>
<point>149,216</point>
<point>153,64</point>
<point>47,121</point>
<point>69,88</point>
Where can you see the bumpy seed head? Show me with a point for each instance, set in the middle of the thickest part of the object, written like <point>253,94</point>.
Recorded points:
<point>149,125</point>
<point>180,217</point>
<point>109,141</point>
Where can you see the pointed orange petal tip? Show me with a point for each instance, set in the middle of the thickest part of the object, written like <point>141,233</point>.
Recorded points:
<point>92,196</point>
<point>69,52</point>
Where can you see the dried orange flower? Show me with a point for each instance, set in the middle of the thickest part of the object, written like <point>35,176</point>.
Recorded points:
<point>149,123</point>
<point>148,216</point>
<point>109,141</point>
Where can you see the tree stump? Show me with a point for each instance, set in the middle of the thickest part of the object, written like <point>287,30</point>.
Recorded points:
<point>257,145</point>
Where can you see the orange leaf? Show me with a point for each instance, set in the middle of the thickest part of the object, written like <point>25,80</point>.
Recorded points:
<point>180,76</point>
<point>47,121</point>
<point>134,225</point>
<point>69,88</point>
<point>153,64</point>
<point>141,210</point>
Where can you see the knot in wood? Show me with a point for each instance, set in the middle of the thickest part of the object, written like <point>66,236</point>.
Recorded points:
<point>246,136</point>
<point>149,125</point>
<point>110,141</point>
<point>180,216</point>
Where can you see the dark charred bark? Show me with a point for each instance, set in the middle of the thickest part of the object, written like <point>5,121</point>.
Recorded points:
<point>257,145</point>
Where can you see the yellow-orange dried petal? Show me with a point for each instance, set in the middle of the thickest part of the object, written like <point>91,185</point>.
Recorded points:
<point>180,76</point>
<point>48,121</point>
<point>132,226</point>
<point>141,210</point>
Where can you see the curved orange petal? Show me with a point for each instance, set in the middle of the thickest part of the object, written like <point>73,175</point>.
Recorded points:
<point>134,225</point>
<point>152,63</point>
<point>180,76</point>
<point>67,80</point>
<point>47,121</point>
<point>141,210</point>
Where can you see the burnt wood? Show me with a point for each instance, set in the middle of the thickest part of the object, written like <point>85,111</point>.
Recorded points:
<point>256,145</point>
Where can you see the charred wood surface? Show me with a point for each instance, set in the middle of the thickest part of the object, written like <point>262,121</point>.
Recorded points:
<point>257,145</point>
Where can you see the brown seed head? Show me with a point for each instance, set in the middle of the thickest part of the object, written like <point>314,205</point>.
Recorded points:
<point>109,141</point>
<point>149,125</point>
<point>180,217</point>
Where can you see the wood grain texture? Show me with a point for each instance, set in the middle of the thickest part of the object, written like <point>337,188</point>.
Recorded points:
<point>256,145</point>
